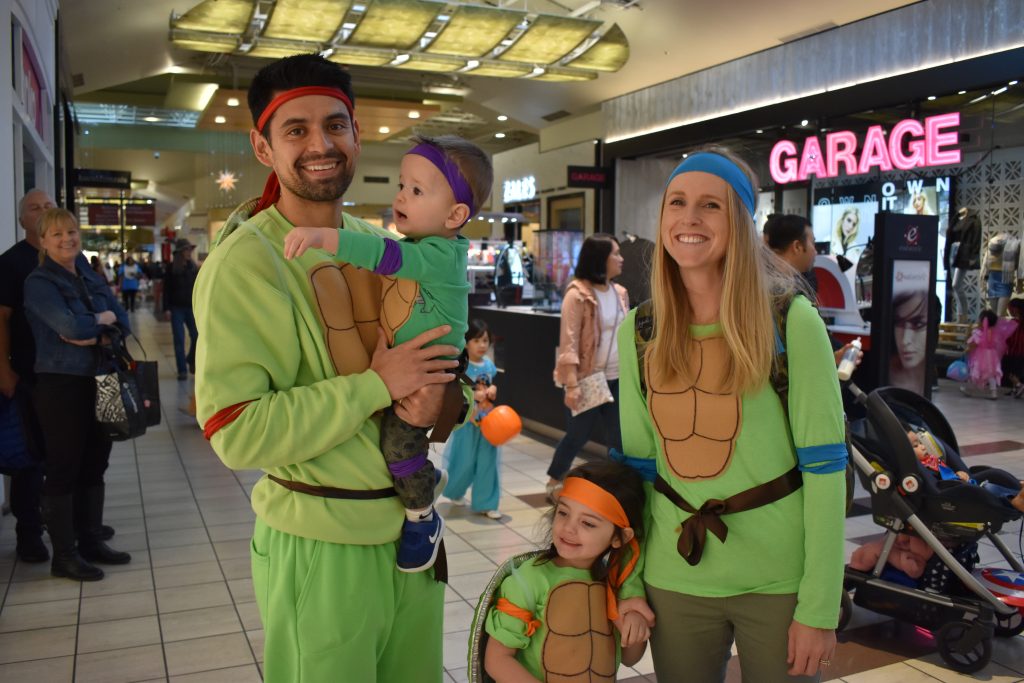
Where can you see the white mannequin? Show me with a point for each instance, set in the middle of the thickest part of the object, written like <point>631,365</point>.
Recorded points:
<point>992,274</point>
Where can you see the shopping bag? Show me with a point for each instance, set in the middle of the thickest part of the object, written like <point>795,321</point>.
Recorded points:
<point>120,410</point>
<point>148,380</point>
<point>957,370</point>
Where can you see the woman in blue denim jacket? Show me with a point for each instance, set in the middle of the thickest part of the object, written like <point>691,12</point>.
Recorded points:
<point>69,308</point>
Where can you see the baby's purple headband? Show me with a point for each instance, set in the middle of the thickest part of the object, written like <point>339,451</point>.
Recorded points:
<point>456,181</point>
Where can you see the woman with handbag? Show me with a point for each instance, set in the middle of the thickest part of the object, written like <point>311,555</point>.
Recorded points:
<point>68,308</point>
<point>746,528</point>
<point>587,366</point>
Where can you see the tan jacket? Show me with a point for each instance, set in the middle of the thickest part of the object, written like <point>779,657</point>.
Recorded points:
<point>580,332</point>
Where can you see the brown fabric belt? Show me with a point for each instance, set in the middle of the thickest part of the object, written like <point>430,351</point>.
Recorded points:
<point>331,492</point>
<point>440,564</point>
<point>708,518</point>
<point>451,409</point>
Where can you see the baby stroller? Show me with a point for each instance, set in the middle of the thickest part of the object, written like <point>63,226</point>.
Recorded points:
<point>949,516</point>
<point>477,632</point>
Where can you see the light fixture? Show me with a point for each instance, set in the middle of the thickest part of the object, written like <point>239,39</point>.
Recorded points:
<point>358,8</point>
<point>348,26</point>
<point>233,102</point>
<point>473,63</point>
<point>151,119</point>
<point>1000,91</point>
<point>383,130</point>
<point>219,119</point>
<point>685,155</point>
<point>538,71</point>
<point>962,92</point>
<point>499,135</point>
<point>759,131</point>
<point>977,99</point>
<point>400,59</point>
<point>175,69</point>
<point>804,122</point>
<point>931,98</point>
<point>1012,83</point>
<point>502,117</point>
<point>414,114</point>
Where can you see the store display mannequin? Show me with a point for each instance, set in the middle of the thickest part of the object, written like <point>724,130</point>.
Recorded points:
<point>1002,253</point>
<point>963,254</point>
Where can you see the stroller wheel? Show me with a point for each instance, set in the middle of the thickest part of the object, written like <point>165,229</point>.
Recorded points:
<point>961,648</point>
<point>1010,626</point>
<point>845,611</point>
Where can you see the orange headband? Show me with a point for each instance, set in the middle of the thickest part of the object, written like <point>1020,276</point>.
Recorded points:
<point>272,188</point>
<point>608,506</point>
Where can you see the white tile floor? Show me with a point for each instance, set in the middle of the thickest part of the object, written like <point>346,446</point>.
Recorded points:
<point>183,610</point>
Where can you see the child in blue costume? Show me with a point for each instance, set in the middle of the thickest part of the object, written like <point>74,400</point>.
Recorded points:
<point>554,615</point>
<point>441,184</point>
<point>470,458</point>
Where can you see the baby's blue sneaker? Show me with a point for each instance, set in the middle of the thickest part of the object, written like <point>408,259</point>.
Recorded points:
<point>418,545</point>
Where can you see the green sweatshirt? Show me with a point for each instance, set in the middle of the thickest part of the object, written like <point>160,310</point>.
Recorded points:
<point>437,264</point>
<point>261,341</point>
<point>794,545</point>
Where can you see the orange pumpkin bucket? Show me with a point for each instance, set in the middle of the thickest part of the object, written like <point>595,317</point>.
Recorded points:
<point>500,425</point>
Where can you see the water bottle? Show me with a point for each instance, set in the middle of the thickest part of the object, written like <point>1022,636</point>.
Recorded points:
<point>849,360</point>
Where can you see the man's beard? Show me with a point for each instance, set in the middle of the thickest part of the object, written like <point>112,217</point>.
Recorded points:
<point>327,190</point>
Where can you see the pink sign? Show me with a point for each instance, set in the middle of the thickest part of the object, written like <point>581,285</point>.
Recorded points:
<point>911,144</point>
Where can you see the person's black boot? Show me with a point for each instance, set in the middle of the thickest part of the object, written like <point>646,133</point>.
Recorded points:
<point>30,548</point>
<point>67,563</point>
<point>107,532</point>
<point>90,535</point>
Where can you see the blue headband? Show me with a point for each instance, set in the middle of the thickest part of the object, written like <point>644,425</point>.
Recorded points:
<point>716,164</point>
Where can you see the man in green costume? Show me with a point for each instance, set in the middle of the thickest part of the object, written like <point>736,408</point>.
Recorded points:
<point>291,373</point>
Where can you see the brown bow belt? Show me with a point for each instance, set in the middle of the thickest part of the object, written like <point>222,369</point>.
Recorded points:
<point>708,518</point>
<point>440,564</point>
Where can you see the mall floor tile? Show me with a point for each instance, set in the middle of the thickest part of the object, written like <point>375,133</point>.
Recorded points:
<point>184,610</point>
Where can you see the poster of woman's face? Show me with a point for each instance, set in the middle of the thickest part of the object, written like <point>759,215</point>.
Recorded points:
<point>910,313</point>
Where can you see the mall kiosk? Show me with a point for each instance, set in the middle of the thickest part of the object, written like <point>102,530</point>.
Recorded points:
<point>904,310</point>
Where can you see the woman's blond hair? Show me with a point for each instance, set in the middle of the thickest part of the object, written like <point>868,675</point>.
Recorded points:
<point>754,280</point>
<point>50,218</point>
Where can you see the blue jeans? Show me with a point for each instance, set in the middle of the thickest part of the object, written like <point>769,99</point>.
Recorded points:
<point>181,317</point>
<point>579,428</point>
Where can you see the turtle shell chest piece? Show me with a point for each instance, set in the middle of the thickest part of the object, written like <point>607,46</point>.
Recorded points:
<point>580,645</point>
<point>698,421</point>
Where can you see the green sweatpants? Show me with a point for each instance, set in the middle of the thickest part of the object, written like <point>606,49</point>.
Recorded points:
<point>693,638</point>
<point>336,612</point>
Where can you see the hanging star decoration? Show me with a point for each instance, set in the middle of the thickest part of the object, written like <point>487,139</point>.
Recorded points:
<point>226,181</point>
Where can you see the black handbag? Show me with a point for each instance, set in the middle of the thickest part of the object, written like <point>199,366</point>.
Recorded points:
<point>147,378</point>
<point>120,409</point>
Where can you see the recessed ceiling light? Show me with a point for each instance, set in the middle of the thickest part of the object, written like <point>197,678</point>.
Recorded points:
<point>1000,91</point>
<point>499,135</point>
<point>502,117</point>
<point>414,114</point>
<point>219,119</point>
<point>1012,83</point>
<point>443,17</point>
<point>232,101</point>
<point>685,155</point>
<point>804,122</point>
<point>348,26</point>
<point>962,92</point>
<point>759,131</point>
<point>430,34</point>
<point>931,98</point>
<point>383,130</point>
<point>400,59</point>
<point>152,119</point>
<point>473,63</point>
<point>358,8</point>
<point>538,70</point>
<point>175,69</point>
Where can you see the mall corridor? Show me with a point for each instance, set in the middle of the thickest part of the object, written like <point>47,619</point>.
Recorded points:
<point>183,609</point>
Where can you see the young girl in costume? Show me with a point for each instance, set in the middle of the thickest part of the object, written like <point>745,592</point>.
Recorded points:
<point>554,614</point>
<point>985,349</point>
<point>441,184</point>
<point>469,458</point>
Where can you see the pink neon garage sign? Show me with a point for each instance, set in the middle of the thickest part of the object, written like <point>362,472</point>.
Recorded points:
<point>924,142</point>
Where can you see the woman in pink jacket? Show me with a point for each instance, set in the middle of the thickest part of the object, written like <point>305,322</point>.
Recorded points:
<point>592,309</point>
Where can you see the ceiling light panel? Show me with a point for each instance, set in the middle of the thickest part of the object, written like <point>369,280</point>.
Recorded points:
<point>555,74</point>
<point>474,31</point>
<point>423,62</point>
<point>219,16</point>
<point>501,70</point>
<point>204,42</point>
<point>607,54</point>
<point>308,20</point>
<point>357,57</point>
<point>275,49</point>
<point>549,38</point>
<point>394,23</point>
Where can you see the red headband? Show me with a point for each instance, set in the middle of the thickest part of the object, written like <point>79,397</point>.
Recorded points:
<point>272,189</point>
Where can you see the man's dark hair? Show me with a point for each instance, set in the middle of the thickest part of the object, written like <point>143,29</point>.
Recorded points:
<point>592,263</point>
<point>473,163</point>
<point>784,229</point>
<point>295,72</point>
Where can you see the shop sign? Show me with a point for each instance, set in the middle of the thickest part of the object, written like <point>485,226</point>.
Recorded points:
<point>596,177</point>
<point>104,214</point>
<point>911,144</point>
<point>96,177</point>
<point>519,189</point>
<point>140,214</point>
